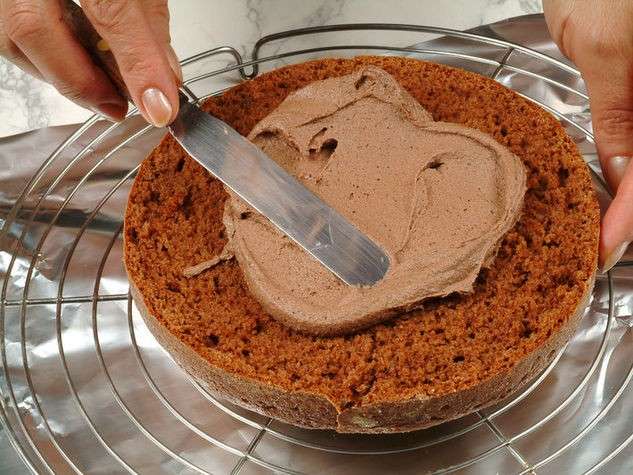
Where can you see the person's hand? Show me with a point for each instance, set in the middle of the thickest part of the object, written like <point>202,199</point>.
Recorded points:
<point>597,35</point>
<point>34,36</point>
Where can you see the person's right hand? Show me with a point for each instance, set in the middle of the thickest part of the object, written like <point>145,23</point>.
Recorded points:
<point>34,36</point>
<point>597,35</point>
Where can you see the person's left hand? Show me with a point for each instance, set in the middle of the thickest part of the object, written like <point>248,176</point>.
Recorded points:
<point>34,36</point>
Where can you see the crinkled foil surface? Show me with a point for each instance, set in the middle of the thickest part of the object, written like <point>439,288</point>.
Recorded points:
<point>85,387</point>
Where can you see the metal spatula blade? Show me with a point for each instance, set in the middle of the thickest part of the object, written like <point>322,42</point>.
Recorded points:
<point>257,179</point>
<point>289,205</point>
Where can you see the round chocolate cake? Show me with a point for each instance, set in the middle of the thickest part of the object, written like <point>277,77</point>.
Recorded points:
<point>451,356</point>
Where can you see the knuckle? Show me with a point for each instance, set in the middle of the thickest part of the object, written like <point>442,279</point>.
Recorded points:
<point>597,41</point>
<point>605,47</point>
<point>139,71</point>
<point>24,20</point>
<point>108,14</point>
<point>135,63</point>
<point>583,42</point>
<point>616,122</point>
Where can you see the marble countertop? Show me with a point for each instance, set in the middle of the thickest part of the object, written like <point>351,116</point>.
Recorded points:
<point>197,25</point>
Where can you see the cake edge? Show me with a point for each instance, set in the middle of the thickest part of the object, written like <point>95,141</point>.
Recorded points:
<point>405,415</point>
<point>315,411</point>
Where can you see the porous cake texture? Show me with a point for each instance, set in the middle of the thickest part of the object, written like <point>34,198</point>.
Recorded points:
<point>455,355</point>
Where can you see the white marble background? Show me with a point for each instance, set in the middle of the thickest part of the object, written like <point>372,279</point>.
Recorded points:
<point>198,25</point>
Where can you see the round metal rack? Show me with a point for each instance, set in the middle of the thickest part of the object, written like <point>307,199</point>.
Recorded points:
<point>86,388</point>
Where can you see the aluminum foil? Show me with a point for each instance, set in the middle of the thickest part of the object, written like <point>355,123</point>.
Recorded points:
<point>85,387</point>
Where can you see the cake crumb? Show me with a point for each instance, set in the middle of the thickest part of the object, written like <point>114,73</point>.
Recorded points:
<point>199,268</point>
<point>541,272</point>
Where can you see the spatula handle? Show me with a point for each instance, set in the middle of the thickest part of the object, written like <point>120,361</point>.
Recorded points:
<point>96,46</point>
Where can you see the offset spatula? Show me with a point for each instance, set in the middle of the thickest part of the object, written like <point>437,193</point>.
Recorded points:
<point>256,178</point>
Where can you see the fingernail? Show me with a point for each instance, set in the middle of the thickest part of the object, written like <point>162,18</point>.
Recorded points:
<point>157,108</point>
<point>174,63</point>
<point>112,111</point>
<point>616,166</point>
<point>615,255</point>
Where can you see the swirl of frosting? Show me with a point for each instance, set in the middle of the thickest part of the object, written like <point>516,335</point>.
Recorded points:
<point>438,197</point>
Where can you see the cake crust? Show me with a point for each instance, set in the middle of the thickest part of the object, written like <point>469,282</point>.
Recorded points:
<point>314,411</point>
<point>455,355</point>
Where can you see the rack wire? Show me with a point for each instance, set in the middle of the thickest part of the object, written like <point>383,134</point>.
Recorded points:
<point>101,395</point>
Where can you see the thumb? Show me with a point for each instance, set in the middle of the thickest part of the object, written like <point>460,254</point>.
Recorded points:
<point>610,85</point>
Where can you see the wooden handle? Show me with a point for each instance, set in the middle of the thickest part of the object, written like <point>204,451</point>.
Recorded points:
<point>96,46</point>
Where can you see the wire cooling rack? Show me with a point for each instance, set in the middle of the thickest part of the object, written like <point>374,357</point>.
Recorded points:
<point>85,388</point>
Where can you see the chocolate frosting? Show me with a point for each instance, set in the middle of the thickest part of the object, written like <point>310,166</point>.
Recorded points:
<point>438,197</point>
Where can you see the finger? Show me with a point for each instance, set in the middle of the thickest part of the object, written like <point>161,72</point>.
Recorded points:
<point>612,116</point>
<point>157,14</point>
<point>607,69</point>
<point>617,225</point>
<point>609,80</point>
<point>12,53</point>
<point>608,74</point>
<point>140,56</point>
<point>36,27</point>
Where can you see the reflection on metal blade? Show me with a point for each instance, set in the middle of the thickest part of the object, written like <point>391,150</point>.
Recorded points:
<point>289,205</point>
